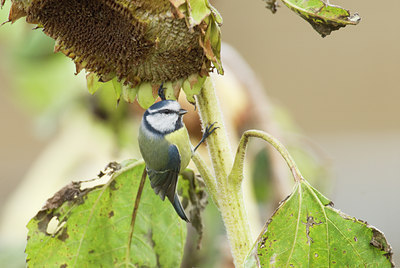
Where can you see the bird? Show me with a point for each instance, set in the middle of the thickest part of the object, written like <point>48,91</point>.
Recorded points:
<point>165,147</point>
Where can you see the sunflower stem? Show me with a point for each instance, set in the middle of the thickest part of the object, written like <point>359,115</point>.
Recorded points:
<point>228,193</point>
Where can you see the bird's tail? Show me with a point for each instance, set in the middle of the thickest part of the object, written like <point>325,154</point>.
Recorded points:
<point>179,209</point>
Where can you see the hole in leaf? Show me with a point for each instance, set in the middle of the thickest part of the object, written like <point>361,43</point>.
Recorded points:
<point>54,226</point>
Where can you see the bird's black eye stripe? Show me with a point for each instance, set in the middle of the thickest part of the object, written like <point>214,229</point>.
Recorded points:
<point>167,111</point>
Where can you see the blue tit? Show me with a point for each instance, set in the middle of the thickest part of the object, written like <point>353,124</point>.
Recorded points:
<point>166,149</point>
<point>165,146</point>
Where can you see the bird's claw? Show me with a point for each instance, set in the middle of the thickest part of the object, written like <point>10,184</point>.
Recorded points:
<point>207,132</point>
<point>161,91</point>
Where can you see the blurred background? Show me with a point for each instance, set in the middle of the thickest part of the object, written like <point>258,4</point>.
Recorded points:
<point>334,101</point>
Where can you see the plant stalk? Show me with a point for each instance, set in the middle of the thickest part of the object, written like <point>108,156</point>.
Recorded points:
<point>228,193</point>
<point>237,170</point>
<point>208,178</point>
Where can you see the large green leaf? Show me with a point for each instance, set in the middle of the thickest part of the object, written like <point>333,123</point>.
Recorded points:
<point>307,231</point>
<point>90,227</point>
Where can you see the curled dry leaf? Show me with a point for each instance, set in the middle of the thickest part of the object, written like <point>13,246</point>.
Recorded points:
<point>272,5</point>
<point>323,16</point>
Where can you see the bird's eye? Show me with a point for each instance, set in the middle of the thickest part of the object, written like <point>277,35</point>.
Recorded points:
<point>167,111</point>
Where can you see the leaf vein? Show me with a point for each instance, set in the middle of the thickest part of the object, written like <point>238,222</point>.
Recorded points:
<point>298,223</point>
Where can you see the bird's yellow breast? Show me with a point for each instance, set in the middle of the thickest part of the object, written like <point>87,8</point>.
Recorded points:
<point>181,139</point>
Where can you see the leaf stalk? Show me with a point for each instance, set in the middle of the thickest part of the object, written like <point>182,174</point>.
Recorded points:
<point>237,170</point>
<point>134,214</point>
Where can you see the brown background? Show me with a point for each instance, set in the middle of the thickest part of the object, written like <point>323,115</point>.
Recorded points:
<point>342,90</point>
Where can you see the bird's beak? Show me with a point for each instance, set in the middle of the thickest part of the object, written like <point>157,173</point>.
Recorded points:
<point>182,111</point>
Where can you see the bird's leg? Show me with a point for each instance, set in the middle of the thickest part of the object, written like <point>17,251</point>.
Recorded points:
<point>209,130</point>
<point>161,91</point>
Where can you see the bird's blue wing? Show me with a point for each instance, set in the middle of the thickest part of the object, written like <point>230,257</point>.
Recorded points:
<point>164,181</point>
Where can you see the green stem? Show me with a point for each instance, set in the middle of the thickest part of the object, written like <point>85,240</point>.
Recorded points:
<point>228,195</point>
<point>208,178</point>
<point>217,143</point>
<point>237,170</point>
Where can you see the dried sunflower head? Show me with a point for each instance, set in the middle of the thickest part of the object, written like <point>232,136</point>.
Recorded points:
<point>138,44</point>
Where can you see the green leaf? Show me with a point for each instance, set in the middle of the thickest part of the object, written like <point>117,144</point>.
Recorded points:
<point>117,88</point>
<point>323,17</point>
<point>307,231</point>
<point>198,10</point>
<point>212,45</point>
<point>90,227</point>
<point>93,83</point>
<point>129,94</point>
<point>169,91</point>
<point>192,86</point>
<point>216,15</point>
<point>145,95</point>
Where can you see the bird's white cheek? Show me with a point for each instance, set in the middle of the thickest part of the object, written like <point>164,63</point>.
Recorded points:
<point>162,122</point>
